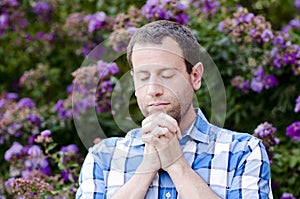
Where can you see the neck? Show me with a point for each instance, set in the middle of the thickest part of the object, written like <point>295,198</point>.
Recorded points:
<point>187,119</point>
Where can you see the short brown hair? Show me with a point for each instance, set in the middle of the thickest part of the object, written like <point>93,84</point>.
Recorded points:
<point>156,31</point>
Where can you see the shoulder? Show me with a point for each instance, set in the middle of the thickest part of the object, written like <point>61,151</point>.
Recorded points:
<point>239,142</point>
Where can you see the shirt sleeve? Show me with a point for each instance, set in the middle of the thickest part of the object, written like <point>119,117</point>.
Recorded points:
<point>252,177</point>
<point>91,181</point>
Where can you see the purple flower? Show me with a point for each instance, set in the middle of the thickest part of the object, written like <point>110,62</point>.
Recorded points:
<point>59,104</point>
<point>113,68</point>
<point>46,133</point>
<point>39,35</point>
<point>279,40</point>
<point>3,22</point>
<point>34,151</point>
<point>277,62</point>
<point>65,175</point>
<point>165,9</point>
<point>252,32</point>
<point>289,58</point>
<point>248,18</point>
<point>131,30</point>
<point>13,3</point>
<point>9,182</point>
<point>220,26</point>
<point>293,131</point>
<point>295,23</point>
<point>41,7</point>
<point>14,150</point>
<point>61,111</point>
<point>95,21</point>
<point>12,96</point>
<point>105,68</point>
<point>287,196</point>
<point>2,103</point>
<point>13,129</point>
<point>259,72</point>
<point>297,106</point>
<point>240,84</point>
<point>265,129</point>
<point>297,4</point>
<point>70,149</point>
<point>70,88</point>
<point>26,103</point>
<point>182,18</point>
<point>23,23</point>
<point>270,81</point>
<point>257,85</point>
<point>34,119</point>
<point>267,35</point>
<point>106,86</point>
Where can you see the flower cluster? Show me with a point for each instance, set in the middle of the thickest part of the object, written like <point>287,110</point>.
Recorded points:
<point>26,159</point>
<point>293,24</point>
<point>287,196</point>
<point>245,27</point>
<point>75,25</point>
<point>43,10</point>
<point>285,53</point>
<point>35,77</point>
<point>297,4</point>
<point>205,8</point>
<point>18,118</point>
<point>240,83</point>
<point>98,21</point>
<point>261,80</point>
<point>11,18</point>
<point>165,9</point>
<point>297,106</point>
<point>293,130</point>
<point>92,87</point>
<point>265,131</point>
<point>30,172</point>
<point>121,37</point>
<point>33,186</point>
<point>132,18</point>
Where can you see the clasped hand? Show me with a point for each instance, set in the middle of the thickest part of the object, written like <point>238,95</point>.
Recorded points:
<point>161,133</point>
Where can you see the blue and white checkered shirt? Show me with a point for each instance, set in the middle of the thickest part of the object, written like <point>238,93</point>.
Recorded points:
<point>234,165</point>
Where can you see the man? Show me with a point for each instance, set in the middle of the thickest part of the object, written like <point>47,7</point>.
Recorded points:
<point>176,153</point>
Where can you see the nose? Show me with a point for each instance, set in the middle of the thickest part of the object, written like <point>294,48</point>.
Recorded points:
<point>154,89</point>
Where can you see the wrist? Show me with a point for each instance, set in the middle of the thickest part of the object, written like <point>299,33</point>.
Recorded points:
<point>178,166</point>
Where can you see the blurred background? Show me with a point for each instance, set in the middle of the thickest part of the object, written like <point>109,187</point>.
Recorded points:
<point>46,55</point>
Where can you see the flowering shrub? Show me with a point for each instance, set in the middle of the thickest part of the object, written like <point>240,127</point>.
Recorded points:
<point>43,44</point>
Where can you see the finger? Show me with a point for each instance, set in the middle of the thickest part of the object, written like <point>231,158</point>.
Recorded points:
<point>150,139</point>
<point>157,132</point>
<point>179,135</point>
<point>162,120</point>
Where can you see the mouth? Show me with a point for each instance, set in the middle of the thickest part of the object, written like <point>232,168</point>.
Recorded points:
<point>158,104</point>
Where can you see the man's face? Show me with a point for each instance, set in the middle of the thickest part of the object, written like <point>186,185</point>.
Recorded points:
<point>160,79</point>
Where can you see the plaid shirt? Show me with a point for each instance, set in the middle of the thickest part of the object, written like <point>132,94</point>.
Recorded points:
<point>234,165</point>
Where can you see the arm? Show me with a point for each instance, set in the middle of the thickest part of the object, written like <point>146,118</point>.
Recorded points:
<point>187,182</point>
<point>252,177</point>
<point>139,183</point>
<point>90,175</point>
<point>164,137</point>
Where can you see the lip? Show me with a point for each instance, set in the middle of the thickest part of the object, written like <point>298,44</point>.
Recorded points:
<point>157,104</point>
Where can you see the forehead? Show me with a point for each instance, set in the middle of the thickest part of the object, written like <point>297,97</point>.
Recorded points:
<point>167,54</point>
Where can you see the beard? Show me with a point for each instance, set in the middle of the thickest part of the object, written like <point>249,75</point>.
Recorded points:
<point>175,109</point>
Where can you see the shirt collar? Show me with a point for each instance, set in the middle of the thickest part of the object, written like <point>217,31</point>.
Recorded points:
<point>198,130</point>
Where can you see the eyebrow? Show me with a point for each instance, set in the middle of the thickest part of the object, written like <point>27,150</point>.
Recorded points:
<point>160,70</point>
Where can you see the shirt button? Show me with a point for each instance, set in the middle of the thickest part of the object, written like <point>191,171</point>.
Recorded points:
<point>168,195</point>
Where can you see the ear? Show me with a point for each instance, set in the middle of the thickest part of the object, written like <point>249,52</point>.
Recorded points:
<point>196,75</point>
